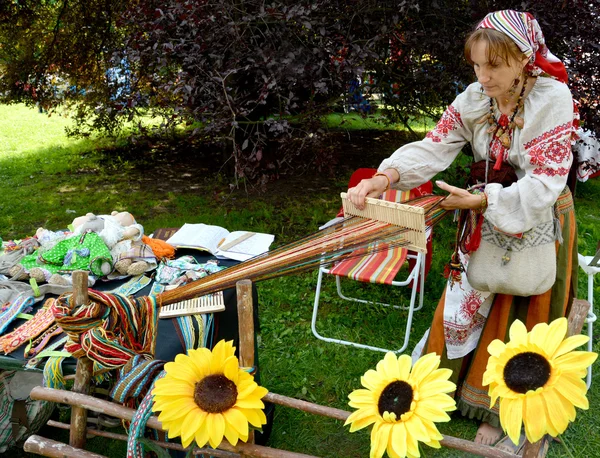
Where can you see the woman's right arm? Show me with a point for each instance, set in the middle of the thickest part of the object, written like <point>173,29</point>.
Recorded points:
<point>415,163</point>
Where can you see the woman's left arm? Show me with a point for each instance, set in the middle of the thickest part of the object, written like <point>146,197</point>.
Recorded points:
<point>546,157</point>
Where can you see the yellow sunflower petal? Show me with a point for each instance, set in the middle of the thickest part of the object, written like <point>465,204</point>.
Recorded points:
<point>246,388</point>
<point>388,366</point>
<point>201,359</point>
<point>570,343</point>
<point>175,389</point>
<point>361,397</point>
<point>439,386</point>
<point>175,409</point>
<point>237,420</point>
<point>534,417</point>
<point>359,414</point>
<point>575,360</point>
<point>537,336</point>
<point>398,439</point>
<point>555,411</point>
<point>202,435</point>
<point>259,392</point>
<point>412,445</point>
<point>193,420</point>
<point>431,412</point>
<point>424,366</point>
<point>380,435</point>
<point>175,429</point>
<point>215,423</point>
<point>256,417</point>
<point>415,428</point>
<point>404,365</point>
<point>231,368</point>
<point>511,416</point>
<point>496,347</point>
<point>557,330</point>
<point>573,389</point>
<point>221,351</point>
<point>181,371</point>
<point>360,423</point>
<point>371,380</point>
<point>185,364</point>
<point>231,434</point>
<point>518,333</point>
<point>432,430</point>
<point>250,403</point>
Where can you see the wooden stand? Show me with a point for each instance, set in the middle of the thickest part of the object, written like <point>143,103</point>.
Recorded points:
<point>82,402</point>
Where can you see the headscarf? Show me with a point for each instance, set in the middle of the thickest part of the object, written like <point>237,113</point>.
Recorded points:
<point>525,31</point>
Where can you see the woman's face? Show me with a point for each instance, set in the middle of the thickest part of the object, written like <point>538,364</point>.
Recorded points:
<point>496,77</point>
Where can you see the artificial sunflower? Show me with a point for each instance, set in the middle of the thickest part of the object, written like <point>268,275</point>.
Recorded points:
<point>206,396</point>
<point>403,404</point>
<point>538,378</point>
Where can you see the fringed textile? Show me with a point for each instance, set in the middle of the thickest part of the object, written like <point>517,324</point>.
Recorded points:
<point>110,330</point>
<point>53,373</point>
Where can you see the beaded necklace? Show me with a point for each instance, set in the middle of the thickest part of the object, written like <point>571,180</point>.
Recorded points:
<point>503,127</point>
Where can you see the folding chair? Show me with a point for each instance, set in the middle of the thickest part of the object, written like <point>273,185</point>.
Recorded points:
<point>591,266</point>
<point>380,267</point>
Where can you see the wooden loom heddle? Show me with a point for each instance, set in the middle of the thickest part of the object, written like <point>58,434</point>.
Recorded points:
<point>389,224</point>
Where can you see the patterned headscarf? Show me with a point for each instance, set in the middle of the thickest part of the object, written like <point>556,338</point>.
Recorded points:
<point>525,31</point>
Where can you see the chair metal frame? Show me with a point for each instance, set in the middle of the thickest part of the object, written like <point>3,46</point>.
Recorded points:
<point>587,262</point>
<point>416,276</point>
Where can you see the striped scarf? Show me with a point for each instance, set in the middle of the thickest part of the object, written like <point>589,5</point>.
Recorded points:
<point>525,31</point>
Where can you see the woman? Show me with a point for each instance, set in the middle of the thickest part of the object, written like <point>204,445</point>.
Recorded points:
<point>520,114</point>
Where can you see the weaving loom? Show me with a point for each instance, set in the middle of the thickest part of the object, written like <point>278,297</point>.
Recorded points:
<point>395,224</point>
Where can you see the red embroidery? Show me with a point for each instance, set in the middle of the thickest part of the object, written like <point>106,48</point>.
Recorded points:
<point>551,149</point>
<point>449,121</point>
<point>470,304</point>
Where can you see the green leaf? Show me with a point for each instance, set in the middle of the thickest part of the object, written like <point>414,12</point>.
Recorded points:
<point>153,446</point>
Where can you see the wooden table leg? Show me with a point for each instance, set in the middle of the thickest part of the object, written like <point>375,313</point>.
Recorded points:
<point>83,374</point>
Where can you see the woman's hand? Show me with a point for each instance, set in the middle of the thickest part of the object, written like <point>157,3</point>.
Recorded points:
<point>458,198</point>
<point>372,187</point>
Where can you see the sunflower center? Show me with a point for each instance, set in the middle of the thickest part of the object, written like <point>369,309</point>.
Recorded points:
<point>395,398</point>
<point>215,393</point>
<point>526,371</point>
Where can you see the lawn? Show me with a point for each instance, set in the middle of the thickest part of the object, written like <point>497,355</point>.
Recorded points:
<point>46,179</point>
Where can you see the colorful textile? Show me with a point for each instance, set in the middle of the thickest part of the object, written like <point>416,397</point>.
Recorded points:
<point>110,330</point>
<point>525,31</point>
<point>170,272</point>
<point>10,310</point>
<point>132,286</point>
<point>84,252</point>
<point>135,378</point>
<point>138,422</point>
<point>41,321</point>
<point>472,398</point>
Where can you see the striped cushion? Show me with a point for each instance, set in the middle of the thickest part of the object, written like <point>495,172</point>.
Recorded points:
<point>381,266</point>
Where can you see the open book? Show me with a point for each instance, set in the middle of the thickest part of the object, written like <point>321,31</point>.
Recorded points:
<point>237,245</point>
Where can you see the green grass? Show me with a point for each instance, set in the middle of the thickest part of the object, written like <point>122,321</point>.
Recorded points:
<point>354,121</point>
<point>46,179</point>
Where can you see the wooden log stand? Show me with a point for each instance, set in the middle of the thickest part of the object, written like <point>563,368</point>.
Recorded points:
<point>81,402</point>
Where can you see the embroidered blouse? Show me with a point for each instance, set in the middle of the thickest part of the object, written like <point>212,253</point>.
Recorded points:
<point>540,152</point>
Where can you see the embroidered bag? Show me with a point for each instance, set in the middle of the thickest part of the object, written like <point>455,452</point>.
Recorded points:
<point>520,266</point>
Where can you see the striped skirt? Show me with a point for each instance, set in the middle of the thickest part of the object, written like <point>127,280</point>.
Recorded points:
<point>471,396</point>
